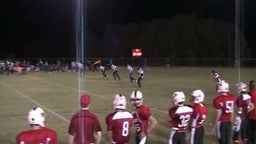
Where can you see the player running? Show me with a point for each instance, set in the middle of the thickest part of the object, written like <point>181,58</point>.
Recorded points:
<point>142,118</point>
<point>130,70</point>
<point>140,77</point>
<point>115,72</point>
<point>38,134</point>
<point>200,111</point>
<point>180,115</point>
<point>119,122</point>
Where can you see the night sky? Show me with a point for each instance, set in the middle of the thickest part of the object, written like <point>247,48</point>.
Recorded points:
<point>50,23</point>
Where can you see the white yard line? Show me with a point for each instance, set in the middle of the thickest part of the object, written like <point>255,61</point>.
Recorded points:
<point>35,102</point>
<point>71,88</point>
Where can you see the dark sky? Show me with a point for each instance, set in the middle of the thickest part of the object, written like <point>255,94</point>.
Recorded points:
<point>50,23</point>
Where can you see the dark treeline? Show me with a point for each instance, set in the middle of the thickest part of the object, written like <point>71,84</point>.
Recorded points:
<point>183,35</point>
<point>180,36</point>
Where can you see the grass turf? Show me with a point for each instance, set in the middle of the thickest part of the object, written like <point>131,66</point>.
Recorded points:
<point>58,95</point>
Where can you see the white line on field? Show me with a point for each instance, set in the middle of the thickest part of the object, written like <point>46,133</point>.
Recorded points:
<point>72,88</point>
<point>35,102</point>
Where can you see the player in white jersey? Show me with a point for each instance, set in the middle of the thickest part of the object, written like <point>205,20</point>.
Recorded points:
<point>130,70</point>
<point>140,77</point>
<point>115,71</point>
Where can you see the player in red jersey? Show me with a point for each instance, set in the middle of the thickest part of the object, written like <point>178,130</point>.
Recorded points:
<point>224,103</point>
<point>142,118</point>
<point>200,111</point>
<point>180,115</point>
<point>38,134</point>
<point>119,122</point>
<point>84,127</point>
<point>252,114</point>
<point>244,107</point>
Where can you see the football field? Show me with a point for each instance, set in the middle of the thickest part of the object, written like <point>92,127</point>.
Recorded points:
<point>58,94</point>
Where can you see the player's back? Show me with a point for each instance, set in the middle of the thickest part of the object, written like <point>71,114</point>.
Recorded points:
<point>180,117</point>
<point>200,112</point>
<point>40,136</point>
<point>120,124</point>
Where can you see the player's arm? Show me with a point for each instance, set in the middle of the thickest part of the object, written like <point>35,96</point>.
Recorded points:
<point>71,139</point>
<point>152,123</point>
<point>217,117</point>
<point>98,137</point>
<point>110,137</point>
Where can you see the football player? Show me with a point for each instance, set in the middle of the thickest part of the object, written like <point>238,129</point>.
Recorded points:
<point>244,107</point>
<point>216,76</point>
<point>142,118</point>
<point>224,103</point>
<point>200,111</point>
<point>115,71</point>
<point>180,115</point>
<point>140,77</point>
<point>103,70</point>
<point>130,70</point>
<point>38,134</point>
<point>252,114</point>
<point>119,122</point>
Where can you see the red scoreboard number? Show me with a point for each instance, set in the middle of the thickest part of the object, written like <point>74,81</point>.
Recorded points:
<point>136,52</point>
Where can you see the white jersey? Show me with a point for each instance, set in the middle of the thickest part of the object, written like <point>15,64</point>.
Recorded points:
<point>129,68</point>
<point>102,68</point>
<point>114,67</point>
<point>141,72</point>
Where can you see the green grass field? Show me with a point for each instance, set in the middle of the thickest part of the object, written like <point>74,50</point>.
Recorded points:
<point>58,95</point>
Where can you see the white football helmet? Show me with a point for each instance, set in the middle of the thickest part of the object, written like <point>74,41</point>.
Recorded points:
<point>198,96</point>
<point>178,97</point>
<point>36,116</point>
<point>119,102</point>
<point>241,87</point>
<point>223,87</point>
<point>136,97</point>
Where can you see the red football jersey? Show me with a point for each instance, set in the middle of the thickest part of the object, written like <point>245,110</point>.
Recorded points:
<point>252,114</point>
<point>180,117</point>
<point>120,124</point>
<point>200,112</point>
<point>227,104</point>
<point>40,136</point>
<point>83,125</point>
<point>243,101</point>
<point>141,118</point>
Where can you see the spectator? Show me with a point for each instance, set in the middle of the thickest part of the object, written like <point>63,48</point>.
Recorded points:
<point>38,134</point>
<point>119,122</point>
<point>143,119</point>
<point>84,127</point>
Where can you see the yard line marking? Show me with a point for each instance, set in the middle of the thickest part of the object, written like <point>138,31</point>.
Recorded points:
<point>35,102</point>
<point>72,88</point>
